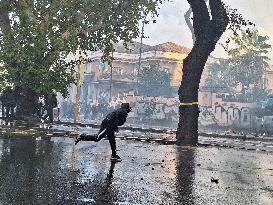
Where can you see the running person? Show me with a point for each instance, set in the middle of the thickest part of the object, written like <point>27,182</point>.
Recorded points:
<point>108,128</point>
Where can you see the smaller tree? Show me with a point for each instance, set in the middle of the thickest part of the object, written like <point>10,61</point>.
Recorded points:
<point>248,59</point>
<point>217,76</point>
<point>245,67</point>
<point>37,36</point>
<point>154,81</point>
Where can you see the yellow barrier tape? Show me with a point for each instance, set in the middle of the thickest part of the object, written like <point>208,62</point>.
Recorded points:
<point>188,104</point>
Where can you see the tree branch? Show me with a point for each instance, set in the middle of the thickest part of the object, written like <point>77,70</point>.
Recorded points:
<point>220,18</point>
<point>5,8</point>
<point>187,17</point>
<point>201,17</point>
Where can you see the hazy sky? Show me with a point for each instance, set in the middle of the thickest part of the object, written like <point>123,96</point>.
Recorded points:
<point>171,25</point>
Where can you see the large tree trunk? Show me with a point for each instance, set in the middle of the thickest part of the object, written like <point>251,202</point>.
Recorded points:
<point>207,32</point>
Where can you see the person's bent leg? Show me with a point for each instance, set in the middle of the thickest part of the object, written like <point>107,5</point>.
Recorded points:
<point>8,111</point>
<point>101,134</point>
<point>84,137</point>
<point>50,115</point>
<point>104,130</point>
<point>112,141</point>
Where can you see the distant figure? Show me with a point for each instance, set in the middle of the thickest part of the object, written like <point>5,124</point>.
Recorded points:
<point>40,106</point>
<point>108,128</point>
<point>50,103</point>
<point>8,99</point>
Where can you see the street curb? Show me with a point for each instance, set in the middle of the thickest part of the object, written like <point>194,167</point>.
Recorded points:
<point>41,132</point>
<point>161,131</point>
<point>152,130</point>
<point>24,131</point>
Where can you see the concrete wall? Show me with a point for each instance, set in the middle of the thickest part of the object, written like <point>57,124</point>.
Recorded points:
<point>215,111</point>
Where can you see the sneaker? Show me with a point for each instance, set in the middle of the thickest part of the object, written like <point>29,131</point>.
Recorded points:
<point>115,158</point>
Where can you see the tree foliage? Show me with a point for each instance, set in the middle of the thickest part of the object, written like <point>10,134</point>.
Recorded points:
<point>154,81</point>
<point>217,76</point>
<point>246,65</point>
<point>4,79</point>
<point>248,58</point>
<point>38,35</point>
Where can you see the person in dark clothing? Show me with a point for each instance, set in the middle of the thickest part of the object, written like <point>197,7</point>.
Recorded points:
<point>2,105</point>
<point>108,128</point>
<point>40,109</point>
<point>50,103</point>
<point>8,99</point>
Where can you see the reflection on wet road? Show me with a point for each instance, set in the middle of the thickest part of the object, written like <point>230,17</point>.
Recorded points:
<point>52,171</point>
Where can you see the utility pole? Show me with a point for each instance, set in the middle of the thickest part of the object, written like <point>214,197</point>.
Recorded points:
<point>139,67</point>
<point>140,54</point>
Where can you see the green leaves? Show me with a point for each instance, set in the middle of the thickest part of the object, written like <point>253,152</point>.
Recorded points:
<point>217,79</point>
<point>43,33</point>
<point>4,78</point>
<point>154,81</point>
<point>245,67</point>
<point>249,60</point>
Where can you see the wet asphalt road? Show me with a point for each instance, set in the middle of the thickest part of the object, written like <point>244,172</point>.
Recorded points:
<point>53,171</point>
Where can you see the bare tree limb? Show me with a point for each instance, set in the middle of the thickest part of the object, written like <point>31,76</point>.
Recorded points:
<point>220,18</point>
<point>187,17</point>
<point>201,16</point>
<point>188,20</point>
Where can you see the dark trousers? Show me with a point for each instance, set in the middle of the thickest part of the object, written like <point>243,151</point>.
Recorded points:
<point>9,111</point>
<point>49,114</point>
<point>3,111</point>
<point>108,131</point>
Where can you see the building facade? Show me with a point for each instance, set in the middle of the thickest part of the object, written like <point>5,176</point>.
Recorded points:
<point>102,83</point>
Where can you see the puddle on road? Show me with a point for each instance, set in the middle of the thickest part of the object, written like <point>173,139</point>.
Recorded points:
<point>40,171</point>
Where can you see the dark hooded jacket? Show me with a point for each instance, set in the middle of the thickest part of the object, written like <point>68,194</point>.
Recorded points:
<point>8,98</point>
<point>118,117</point>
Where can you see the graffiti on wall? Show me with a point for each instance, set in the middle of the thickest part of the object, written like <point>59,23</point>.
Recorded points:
<point>225,116</point>
<point>157,108</point>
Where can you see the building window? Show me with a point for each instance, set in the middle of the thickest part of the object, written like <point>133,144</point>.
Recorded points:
<point>118,70</point>
<point>245,118</point>
<point>166,70</point>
